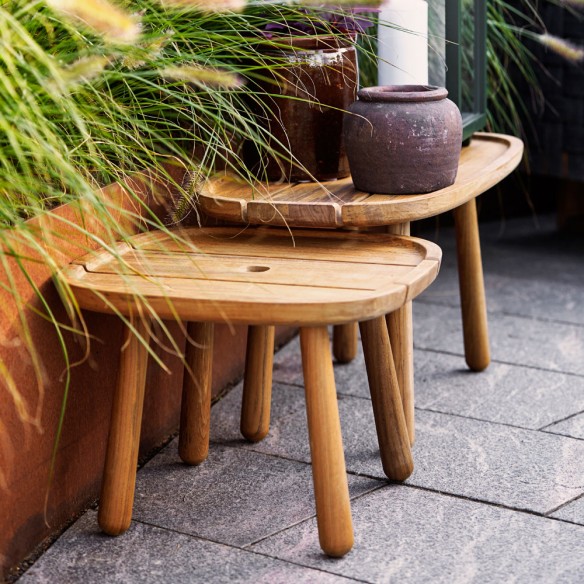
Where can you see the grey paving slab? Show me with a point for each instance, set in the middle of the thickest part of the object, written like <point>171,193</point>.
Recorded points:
<point>147,554</point>
<point>530,270</point>
<point>526,251</point>
<point>508,394</point>
<point>350,378</point>
<point>522,249</point>
<point>409,535</point>
<point>500,464</point>
<point>573,427</point>
<point>235,497</point>
<point>225,415</point>
<point>516,294</point>
<point>515,467</point>
<point>517,340</point>
<point>573,512</point>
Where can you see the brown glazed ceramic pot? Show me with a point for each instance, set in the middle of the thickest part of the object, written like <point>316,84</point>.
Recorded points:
<point>403,139</point>
<point>317,79</point>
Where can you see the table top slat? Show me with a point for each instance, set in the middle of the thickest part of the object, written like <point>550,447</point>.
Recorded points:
<point>258,275</point>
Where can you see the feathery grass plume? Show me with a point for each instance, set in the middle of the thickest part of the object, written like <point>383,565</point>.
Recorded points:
<point>562,47</point>
<point>205,76</point>
<point>146,53</point>
<point>106,19</point>
<point>207,5</point>
<point>84,69</point>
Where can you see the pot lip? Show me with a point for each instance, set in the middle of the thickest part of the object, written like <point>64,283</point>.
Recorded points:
<point>311,42</point>
<point>402,93</point>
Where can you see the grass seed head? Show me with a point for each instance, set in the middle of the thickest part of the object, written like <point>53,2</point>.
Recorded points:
<point>103,17</point>
<point>562,47</point>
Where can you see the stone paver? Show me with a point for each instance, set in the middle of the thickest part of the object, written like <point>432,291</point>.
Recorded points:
<point>516,340</point>
<point>573,426</point>
<point>508,394</point>
<point>518,468</point>
<point>287,400</point>
<point>410,535</point>
<point>147,554</point>
<point>556,301</point>
<point>519,396</point>
<point>235,497</point>
<point>537,274</point>
<point>350,379</point>
<point>573,512</point>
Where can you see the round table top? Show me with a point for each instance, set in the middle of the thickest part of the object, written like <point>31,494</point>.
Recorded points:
<point>485,162</point>
<point>256,276</point>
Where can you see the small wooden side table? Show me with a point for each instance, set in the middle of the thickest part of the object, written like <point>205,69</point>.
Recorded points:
<point>337,204</point>
<point>261,277</point>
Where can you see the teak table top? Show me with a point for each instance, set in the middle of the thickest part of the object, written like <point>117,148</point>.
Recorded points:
<point>487,160</point>
<point>257,276</point>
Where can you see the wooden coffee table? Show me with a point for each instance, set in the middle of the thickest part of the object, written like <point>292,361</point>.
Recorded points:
<point>337,204</point>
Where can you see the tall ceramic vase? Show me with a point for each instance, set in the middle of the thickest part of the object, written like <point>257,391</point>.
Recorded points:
<point>304,97</point>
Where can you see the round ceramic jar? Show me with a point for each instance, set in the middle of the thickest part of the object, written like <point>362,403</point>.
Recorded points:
<point>403,139</point>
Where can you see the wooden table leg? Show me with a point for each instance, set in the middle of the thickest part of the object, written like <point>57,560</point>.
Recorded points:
<point>345,342</point>
<point>401,335</point>
<point>472,287</point>
<point>195,413</point>
<point>257,385</point>
<point>119,477</point>
<point>390,422</point>
<point>331,491</point>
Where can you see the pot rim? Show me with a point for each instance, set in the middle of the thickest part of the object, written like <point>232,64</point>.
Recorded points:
<point>298,43</point>
<point>402,93</point>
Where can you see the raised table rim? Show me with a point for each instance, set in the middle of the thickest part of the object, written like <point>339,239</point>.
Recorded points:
<point>261,204</point>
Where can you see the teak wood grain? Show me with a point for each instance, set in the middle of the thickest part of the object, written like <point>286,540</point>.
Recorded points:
<point>195,415</point>
<point>119,478</point>
<point>345,342</point>
<point>472,290</point>
<point>331,491</point>
<point>263,276</point>
<point>390,421</point>
<point>257,383</point>
<point>401,333</point>
<point>485,162</point>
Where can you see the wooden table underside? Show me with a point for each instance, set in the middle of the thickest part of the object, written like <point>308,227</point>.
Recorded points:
<point>334,204</point>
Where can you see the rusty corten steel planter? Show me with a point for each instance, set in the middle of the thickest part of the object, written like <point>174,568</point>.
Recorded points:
<point>403,139</point>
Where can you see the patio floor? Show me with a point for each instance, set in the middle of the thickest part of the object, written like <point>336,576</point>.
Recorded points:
<point>497,492</point>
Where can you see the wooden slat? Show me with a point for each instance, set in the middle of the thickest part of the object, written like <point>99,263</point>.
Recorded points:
<point>162,265</point>
<point>302,244</point>
<point>310,192</point>
<point>305,214</point>
<point>222,197</point>
<point>235,302</point>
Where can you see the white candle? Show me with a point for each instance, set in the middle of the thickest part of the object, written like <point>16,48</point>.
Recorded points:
<point>403,56</point>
